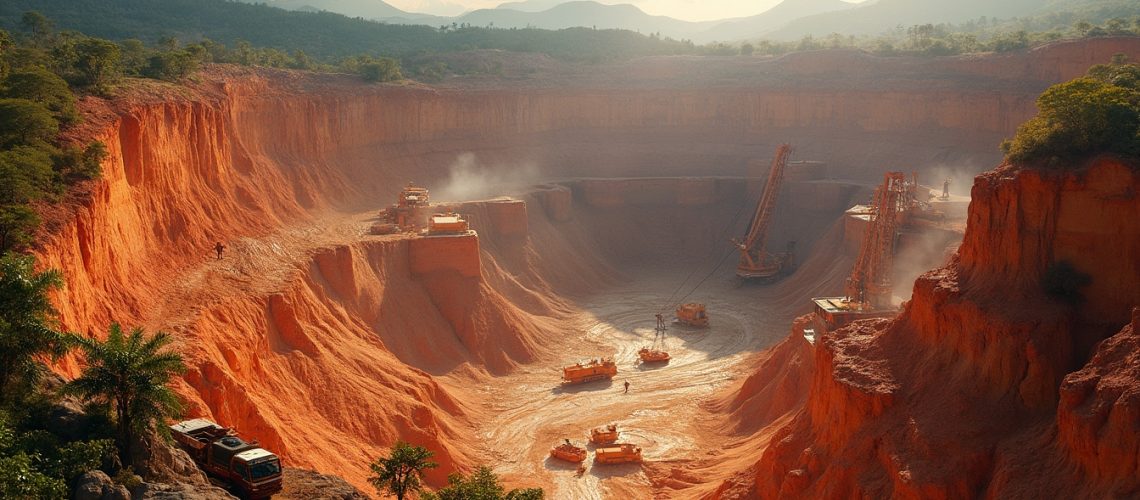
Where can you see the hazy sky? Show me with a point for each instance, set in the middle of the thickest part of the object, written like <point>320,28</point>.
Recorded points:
<point>689,10</point>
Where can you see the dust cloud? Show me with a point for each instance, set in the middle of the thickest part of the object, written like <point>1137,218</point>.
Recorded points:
<point>923,251</point>
<point>469,179</point>
<point>961,178</point>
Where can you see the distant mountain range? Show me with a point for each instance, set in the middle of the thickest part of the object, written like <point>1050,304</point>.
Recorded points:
<point>368,9</point>
<point>789,20</point>
<point>877,16</point>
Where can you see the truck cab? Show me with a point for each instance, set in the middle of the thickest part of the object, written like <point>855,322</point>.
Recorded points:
<point>250,469</point>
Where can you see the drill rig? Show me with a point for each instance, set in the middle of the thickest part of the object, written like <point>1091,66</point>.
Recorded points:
<point>755,260</point>
<point>868,289</point>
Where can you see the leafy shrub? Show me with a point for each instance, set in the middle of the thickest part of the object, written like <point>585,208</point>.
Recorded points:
<point>383,69</point>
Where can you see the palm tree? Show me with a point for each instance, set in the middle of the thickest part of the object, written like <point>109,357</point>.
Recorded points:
<point>131,373</point>
<point>26,316</point>
<point>401,472</point>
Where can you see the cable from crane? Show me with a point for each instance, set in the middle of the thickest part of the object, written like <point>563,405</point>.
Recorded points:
<point>723,235</point>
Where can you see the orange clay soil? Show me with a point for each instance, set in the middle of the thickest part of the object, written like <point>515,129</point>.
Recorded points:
<point>977,388</point>
<point>328,345</point>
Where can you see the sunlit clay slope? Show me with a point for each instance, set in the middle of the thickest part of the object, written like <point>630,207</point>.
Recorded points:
<point>328,345</point>
<point>978,387</point>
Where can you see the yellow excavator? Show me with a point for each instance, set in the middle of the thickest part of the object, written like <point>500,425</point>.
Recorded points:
<point>756,262</point>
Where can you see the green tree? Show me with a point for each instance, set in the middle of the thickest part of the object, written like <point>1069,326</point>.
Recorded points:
<point>747,49</point>
<point>97,61</point>
<point>383,69</point>
<point>23,122</point>
<point>6,45</point>
<point>37,84</point>
<point>17,222</point>
<point>134,56</point>
<point>131,372</point>
<point>401,472</point>
<point>27,318</point>
<point>74,164</point>
<point>171,66</point>
<point>28,174</point>
<point>1084,116</point>
<point>38,25</point>
<point>482,484</point>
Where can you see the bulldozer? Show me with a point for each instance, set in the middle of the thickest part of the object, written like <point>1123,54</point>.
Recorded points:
<point>692,314</point>
<point>604,435</point>
<point>618,454</point>
<point>569,452</point>
<point>590,371</point>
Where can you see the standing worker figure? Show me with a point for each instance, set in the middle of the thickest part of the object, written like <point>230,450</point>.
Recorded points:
<point>946,189</point>
<point>218,247</point>
<point>627,387</point>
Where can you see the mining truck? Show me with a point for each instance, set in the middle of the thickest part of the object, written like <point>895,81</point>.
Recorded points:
<point>618,454</point>
<point>251,470</point>
<point>586,372</point>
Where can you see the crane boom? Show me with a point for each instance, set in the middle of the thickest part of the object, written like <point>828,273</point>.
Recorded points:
<point>755,260</point>
<point>870,283</point>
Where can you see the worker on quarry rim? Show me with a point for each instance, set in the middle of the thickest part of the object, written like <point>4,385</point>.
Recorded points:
<point>627,387</point>
<point>946,189</point>
<point>218,247</point>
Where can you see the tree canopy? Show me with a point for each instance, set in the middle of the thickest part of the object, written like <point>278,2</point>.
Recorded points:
<point>1097,113</point>
<point>482,484</point>
<point>401,472</point>
<point>131,373</point>
<point>27,324</point>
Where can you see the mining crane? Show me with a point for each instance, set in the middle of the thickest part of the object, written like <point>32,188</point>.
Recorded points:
<point>868,289</point>
<point>755,260</point>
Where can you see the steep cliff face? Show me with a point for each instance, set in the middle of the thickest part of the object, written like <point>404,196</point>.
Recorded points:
<point>958,396</point>
<point>328,346</point>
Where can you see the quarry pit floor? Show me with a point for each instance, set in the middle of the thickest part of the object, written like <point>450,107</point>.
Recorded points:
<point>662,411</point>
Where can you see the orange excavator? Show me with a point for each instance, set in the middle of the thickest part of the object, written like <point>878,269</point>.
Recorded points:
<point>868,289</point>
<point>756,262</point>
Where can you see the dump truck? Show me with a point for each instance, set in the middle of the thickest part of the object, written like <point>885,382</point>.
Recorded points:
<point>604,435</point>
<point>618,454</point>
<point>251,470</point>
<point>692,314</point>
<point>449,223</point>
<point>568,452</point>
<point>590,371</point>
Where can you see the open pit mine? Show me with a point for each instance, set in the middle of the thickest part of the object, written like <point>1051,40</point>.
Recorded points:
<point>502,310</point>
